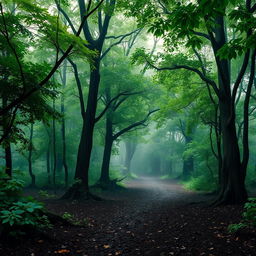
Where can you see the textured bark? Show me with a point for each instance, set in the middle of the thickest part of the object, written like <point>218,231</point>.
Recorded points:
<point>232,175</point>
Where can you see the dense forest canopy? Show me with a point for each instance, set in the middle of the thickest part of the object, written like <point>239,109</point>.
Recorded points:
<point>76,77</point>
<point>95,93</point>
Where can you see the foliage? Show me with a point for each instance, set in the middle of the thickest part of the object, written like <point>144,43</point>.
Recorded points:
<point>18,213</point>
<point>72,219</point>
<point>248,217</point>
<point>200,183</point>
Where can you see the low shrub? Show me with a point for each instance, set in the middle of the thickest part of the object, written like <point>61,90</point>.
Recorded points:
<point>18,214</point>
<point>248,217</point>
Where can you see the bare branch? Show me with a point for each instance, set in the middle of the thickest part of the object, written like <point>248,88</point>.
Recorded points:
<point>126,93</point>
<point>117,43</point>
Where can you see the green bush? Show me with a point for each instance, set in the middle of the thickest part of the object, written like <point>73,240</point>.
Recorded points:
<point>248,217</point>
<point>18,213</point>
<point>201,183</point>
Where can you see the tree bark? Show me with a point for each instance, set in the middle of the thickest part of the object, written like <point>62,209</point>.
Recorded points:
<point>8,159</point>
<point>86,141</point>
<point>30,169</point>
<point>232,178</point>
<point>54,148</point>
<point>104,177</point>
<point>130,149</point>
<point>63,124</point>
<point>188,162</point>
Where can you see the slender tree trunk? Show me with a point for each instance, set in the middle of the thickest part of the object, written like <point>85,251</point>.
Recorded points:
<point>188,162</point>
<point>8,159</point>
<point>48,157</point>
<point>63,125</point>
<point>104,177</point>
<point>33,178</point>
<point>130,149</point>
<point>54,148</point>
<point>7,148</point>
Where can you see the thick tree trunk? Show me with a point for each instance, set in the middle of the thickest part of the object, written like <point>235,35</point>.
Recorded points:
<point>104,177</point>
<point>232,175</point>
<point>86,140</point>
<point>32,176</point>
<point>232,179</point>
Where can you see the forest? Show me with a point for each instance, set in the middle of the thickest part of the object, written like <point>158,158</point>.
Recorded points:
<point>127,127</point>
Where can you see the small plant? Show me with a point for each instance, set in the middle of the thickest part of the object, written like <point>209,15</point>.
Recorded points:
<point>248,217</point>
<point>45,194</point>
<point>18,213</point>
<point>71,218</point>
<point>68,216</point>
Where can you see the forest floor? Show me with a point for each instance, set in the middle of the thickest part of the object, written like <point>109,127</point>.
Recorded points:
<point>150,217</point>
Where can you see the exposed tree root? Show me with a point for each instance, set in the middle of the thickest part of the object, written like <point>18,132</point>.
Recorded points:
<point>110,184</point>
<point>78,192</point>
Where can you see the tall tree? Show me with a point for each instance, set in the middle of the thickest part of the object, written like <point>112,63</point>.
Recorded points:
<point>197,23</point>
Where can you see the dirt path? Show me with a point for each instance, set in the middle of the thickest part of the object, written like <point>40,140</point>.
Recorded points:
<point>150,217</point>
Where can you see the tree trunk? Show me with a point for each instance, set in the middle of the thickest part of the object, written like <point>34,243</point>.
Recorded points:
<point>232,178</point>
<point>33,178</point>
<point>7,147</point>
<point>48,157</point>
<point>130,149</point>
<point>104,177</point>
<point>81,188</point>
<point>188,162</point>
<point>63,125</point>
<point>8,159</point>
<point>54,148</point>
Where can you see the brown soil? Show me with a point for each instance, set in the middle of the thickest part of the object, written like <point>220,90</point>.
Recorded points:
<point>150,217</point>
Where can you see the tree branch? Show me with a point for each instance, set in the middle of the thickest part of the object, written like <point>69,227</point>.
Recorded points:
<point>25,95</point>
<point>195,70</point>
<point>128,128</point>
<point>79,87</point>
<point>240,75</point>
<point>253,9</point>
<point>206,36</point>
<point>108,104</point>
<point>122,37</point>
<point>65,16</point>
